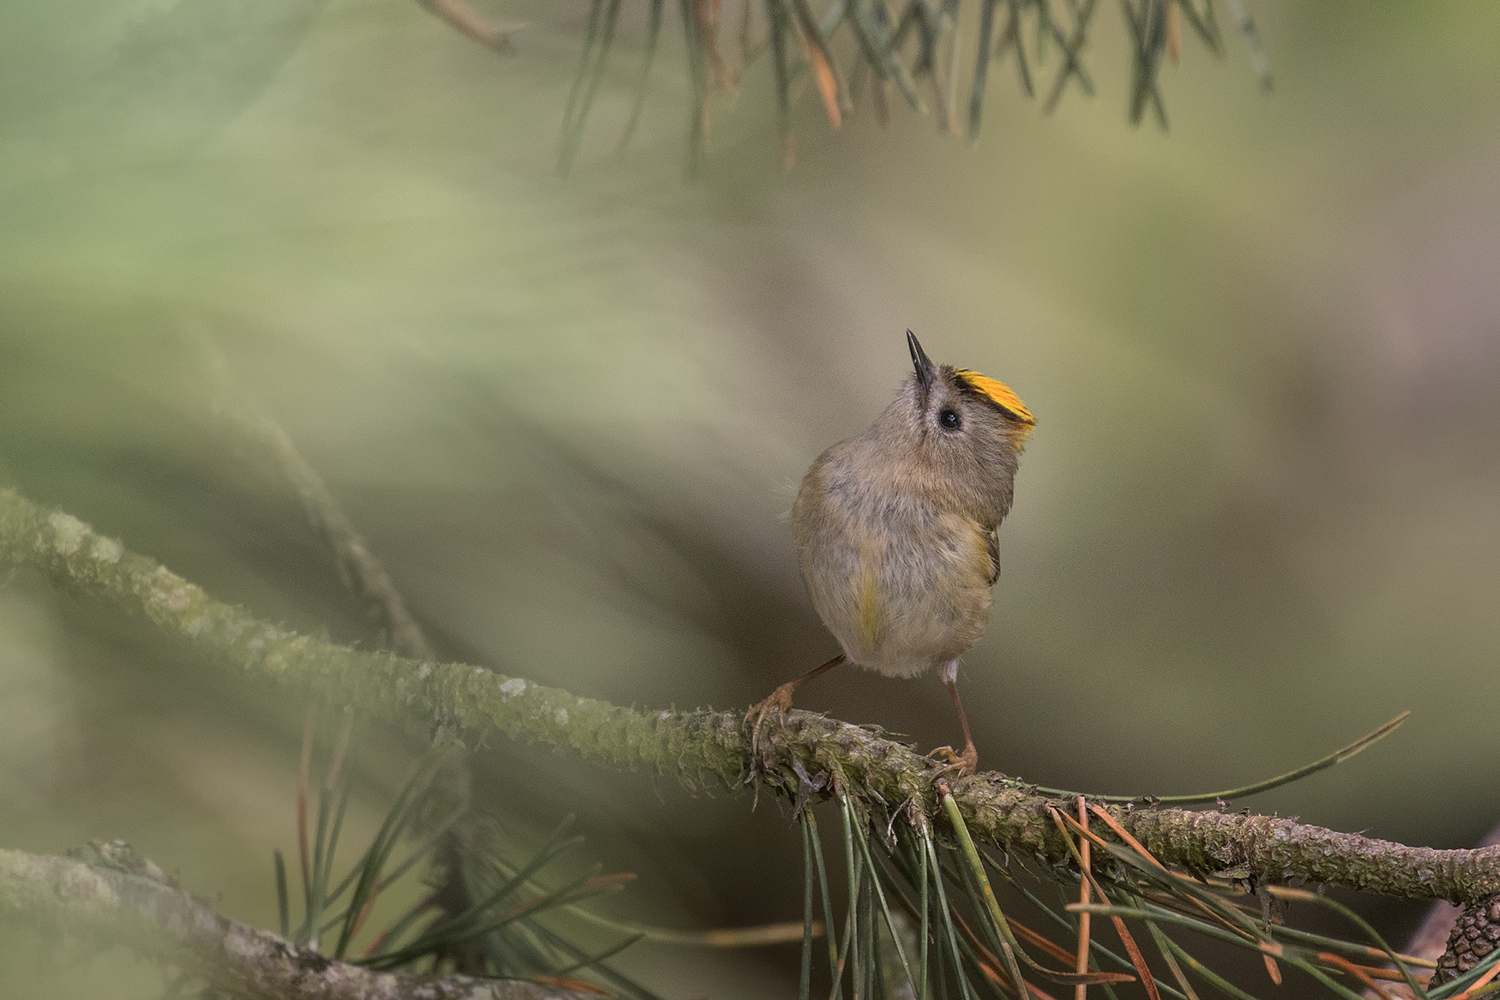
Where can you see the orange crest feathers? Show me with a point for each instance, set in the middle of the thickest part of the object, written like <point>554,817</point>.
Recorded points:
<point>998,393</point>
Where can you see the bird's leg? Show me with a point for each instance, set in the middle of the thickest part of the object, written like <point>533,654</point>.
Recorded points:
<point>781,700</point>
<point>960,765</point>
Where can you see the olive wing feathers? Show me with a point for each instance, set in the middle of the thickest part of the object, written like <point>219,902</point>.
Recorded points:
<point>992,548</point>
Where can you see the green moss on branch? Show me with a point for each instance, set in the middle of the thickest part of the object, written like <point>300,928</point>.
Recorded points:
<point>457,698</point>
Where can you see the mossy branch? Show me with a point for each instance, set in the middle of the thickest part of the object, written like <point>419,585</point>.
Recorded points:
<point>456,698</point>
<point>111,894</point>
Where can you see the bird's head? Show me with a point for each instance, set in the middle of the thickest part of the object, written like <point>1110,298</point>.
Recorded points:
<point>966,432</point>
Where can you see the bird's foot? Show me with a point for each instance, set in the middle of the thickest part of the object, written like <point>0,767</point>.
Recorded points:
<point>958,765</point>
<point>780,702</point>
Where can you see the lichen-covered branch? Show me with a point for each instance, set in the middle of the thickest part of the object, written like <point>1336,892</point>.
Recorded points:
<point>116,897</point>
<point>704,744</point>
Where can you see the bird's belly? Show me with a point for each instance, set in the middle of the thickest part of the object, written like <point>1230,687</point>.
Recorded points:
<point>904,599</point>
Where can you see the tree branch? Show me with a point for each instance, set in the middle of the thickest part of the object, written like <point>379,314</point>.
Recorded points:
<point>459,698</point>
<point>121,898</point>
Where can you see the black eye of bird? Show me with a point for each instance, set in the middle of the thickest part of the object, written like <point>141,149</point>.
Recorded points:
<point>949,419</point>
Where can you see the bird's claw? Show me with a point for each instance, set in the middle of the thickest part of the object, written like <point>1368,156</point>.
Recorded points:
<point>780,702</point>
<point>959,765</point>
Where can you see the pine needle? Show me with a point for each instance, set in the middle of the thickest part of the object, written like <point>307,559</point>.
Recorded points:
<point>1322,763</point>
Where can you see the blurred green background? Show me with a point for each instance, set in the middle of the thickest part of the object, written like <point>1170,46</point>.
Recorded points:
<point>1260,514</point>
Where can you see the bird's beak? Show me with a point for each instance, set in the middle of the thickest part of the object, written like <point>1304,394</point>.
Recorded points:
<point>920,361</point>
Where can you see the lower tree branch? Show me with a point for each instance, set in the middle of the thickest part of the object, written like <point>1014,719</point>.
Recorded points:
<point>695,745</point>
<point>116,897</point>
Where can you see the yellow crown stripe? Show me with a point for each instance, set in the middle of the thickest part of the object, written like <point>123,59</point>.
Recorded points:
<point>998,393</point>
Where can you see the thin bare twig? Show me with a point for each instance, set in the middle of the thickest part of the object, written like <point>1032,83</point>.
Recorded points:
<point>361,570</point>
<point>468,21</point>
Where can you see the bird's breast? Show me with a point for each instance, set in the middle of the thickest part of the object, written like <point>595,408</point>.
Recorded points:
<point>902,583</point>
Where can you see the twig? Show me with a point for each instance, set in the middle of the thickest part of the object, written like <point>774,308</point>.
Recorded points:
<point>361,571</point>
<point>468,21</point>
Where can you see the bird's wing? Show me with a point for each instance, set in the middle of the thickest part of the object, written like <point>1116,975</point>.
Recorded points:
<point>992,546</point>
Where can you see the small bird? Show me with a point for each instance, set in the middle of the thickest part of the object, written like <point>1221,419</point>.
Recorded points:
<point>896,527</point>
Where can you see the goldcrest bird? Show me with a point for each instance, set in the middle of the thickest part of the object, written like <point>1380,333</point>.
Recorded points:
<point>896,527</point>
